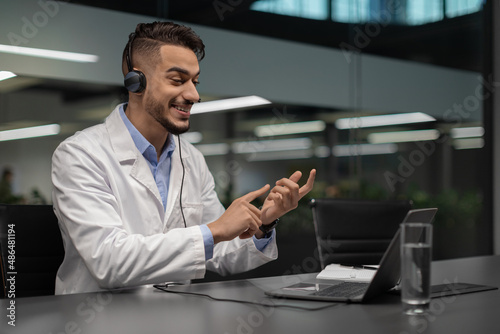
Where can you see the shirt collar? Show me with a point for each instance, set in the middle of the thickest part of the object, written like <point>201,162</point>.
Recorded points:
<point>142,144</point>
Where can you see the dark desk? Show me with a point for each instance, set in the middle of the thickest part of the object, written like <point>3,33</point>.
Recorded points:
<point>151,311</point>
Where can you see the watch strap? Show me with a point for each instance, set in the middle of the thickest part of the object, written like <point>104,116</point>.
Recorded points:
<point>269,227</point>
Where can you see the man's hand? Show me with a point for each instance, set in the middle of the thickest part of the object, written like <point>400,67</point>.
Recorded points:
<point>285,197</point>
<point>240,219</point>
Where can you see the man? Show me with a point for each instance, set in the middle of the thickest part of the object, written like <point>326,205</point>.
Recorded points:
<point>6,195</point>
<point>137,207</point>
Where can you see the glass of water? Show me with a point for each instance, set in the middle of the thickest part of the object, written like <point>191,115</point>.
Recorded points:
<point>416,257</point>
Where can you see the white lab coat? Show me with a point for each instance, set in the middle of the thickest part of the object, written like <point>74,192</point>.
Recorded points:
<point>115,230</point>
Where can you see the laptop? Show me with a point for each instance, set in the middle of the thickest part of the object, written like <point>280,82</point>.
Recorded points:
<point>386,277</point>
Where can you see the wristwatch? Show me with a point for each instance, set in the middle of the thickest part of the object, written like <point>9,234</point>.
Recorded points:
<point>269,227</point>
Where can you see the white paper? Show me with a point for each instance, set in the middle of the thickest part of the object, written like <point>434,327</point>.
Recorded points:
<point>346,273</point>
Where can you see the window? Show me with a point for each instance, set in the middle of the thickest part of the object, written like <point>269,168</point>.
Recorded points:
<point>410,12</point>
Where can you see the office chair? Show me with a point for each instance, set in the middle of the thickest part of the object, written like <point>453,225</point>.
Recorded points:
<point>355,231</point>
<point>38,249</point>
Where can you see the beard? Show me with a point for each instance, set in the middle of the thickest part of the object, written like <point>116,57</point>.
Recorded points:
<point>156,110</point>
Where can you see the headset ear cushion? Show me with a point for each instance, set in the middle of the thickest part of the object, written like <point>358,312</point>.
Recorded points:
<point>135,81</point>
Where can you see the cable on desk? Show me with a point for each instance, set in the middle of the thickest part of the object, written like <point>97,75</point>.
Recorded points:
<point>165,289</point>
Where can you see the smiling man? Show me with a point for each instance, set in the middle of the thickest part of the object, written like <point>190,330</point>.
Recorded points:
<point>136,203</point>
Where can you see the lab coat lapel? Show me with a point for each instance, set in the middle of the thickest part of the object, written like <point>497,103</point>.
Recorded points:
<point>141,172</point>
<point>129,155</point>
<point>175,181</point>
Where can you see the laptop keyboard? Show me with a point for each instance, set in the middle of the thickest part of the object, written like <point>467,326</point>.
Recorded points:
<point>344,289</point>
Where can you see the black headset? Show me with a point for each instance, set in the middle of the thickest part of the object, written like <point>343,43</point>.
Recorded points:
<point>135,81</point>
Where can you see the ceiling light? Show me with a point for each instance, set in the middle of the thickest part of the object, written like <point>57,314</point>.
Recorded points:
<point>272,145</point>
<point>51,54</point>
<point>476,131</point>
<point>31,132</point>
<point>402,136</point>
<point>382,120</point>
<point>322,151</point>
<point>4,75</point>
<point>289,128</point>
<point>283,155</point>
<point>213,149</point>
<point>363,149</point>
<point>468,143</point>
<point>193,137</point>
<point>227,104</point>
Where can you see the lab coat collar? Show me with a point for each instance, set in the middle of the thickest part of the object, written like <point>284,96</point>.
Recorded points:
<point>127,153</point>
<point>122,142</point>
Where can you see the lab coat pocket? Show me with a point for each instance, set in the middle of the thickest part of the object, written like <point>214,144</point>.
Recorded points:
<point>193,213</point>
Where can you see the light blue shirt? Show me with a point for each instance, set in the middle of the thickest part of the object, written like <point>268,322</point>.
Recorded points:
<point>160,169</point>
<point>161,173</point>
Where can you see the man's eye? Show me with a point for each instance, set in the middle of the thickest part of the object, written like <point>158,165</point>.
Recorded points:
<point>178,81</point>
<point>196,83</point>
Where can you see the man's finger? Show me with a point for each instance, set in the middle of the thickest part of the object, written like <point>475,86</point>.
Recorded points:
<point>295,177</point>
<point>287,183</point>
<point>256,193</point>
<point>309,185</point>
<point>252,229</point>
<point>255,214</point>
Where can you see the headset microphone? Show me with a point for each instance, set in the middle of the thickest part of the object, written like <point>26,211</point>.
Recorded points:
<point>135,81</point>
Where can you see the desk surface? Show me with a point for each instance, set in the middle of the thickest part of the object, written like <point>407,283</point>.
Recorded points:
<point>149,310</point>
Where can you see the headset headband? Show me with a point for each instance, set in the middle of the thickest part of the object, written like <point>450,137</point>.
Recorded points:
<point>128,56</point>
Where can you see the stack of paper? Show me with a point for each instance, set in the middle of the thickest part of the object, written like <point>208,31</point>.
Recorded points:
<point>347,273</point>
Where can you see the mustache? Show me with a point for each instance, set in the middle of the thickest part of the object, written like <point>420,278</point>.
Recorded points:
<point>188,102</point>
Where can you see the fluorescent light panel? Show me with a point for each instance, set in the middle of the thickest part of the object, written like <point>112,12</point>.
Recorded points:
<point>51,54</point>
<point>475,131</point>
<point>382,120</point>
<point>322,151</point>
<point>363,149</point>
<point>213,149</point>
<point>259,146</point>
<point>402,136</point>
<point>289,128</point>
<point>193,137</point>
<point>227,104</point>
<point>468,143</point>
<point>4,75</point>
<point>31,132</point>
<point>283,155</point>
<point>272,145</point>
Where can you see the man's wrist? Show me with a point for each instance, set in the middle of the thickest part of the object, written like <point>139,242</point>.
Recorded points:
<point>266,228</point>
<point>269,227</point>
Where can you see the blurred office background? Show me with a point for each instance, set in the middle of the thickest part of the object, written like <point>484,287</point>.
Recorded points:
<point>326,66</point>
